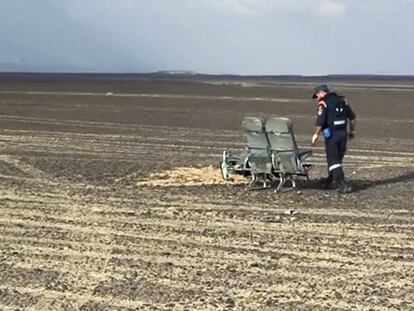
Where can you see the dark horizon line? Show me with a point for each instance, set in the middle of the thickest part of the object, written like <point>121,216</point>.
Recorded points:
<point>184,73</point>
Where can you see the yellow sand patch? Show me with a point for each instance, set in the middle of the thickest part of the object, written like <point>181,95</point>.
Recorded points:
<point>189,176</point>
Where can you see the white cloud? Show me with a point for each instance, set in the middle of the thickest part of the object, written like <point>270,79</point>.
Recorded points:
<point>257,7</point>
<point>330,7</point>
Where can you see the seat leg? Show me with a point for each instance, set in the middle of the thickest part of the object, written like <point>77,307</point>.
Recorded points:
<point>281,183</point>
<point>268,180</point>
<point>273,179</point>
<point>252,181</point>
<point>292,181</point>
<point>224,170</point>
<point>254,178</point>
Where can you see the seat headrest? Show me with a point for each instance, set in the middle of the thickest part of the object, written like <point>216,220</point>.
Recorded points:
<point>279,125</point>
<point>252,124</point>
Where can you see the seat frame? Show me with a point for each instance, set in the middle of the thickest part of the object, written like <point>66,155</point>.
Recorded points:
<point>277,176</point>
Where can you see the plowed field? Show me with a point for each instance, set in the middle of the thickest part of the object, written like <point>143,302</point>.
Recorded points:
<point>111,199</point>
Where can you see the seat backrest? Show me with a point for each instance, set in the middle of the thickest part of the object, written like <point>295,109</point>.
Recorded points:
<point>253,128</point>
<point>282,144</point>
<point>257,144</point>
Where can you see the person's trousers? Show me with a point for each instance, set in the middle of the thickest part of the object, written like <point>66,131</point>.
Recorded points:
<point>335,148</point>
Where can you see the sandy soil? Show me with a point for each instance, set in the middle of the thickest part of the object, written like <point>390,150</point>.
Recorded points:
<point>115,202</point>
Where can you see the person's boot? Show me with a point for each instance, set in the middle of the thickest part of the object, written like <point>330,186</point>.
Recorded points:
<point>343,186</point>
<point>327,183</point>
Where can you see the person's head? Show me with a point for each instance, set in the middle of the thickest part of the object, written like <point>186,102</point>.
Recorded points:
<point>320,91</point>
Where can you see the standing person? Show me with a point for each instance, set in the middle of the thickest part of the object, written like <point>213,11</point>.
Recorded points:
<point>334,114</point>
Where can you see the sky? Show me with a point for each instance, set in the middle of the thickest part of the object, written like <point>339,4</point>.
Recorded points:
<point>247,37</point>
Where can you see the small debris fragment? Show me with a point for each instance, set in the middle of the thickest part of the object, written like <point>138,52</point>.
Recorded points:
<point>290,212</point>
<point>229,302</point>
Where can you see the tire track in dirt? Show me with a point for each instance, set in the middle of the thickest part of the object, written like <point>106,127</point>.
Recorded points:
<point>53,296</point>
<point>243,226</point>
<point>163,210</point>
<point>150,249</point>
<point>385,268</point>
<point>243,245</point>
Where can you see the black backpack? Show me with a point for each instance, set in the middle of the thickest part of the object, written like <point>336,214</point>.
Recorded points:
<point>336,111</point>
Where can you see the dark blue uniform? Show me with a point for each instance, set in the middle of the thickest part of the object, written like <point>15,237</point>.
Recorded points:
<point>333,115</point>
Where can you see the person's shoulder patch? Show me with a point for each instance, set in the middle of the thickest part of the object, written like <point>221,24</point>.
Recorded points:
<point>320,110</point>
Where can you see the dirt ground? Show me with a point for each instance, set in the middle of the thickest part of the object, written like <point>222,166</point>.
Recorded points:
<point>111,199</point>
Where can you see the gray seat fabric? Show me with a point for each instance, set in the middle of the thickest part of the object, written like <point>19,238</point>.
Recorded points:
<point>257,145</point>
<point>287,160</point>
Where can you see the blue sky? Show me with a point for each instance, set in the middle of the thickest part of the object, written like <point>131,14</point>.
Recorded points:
<point>310,37</point>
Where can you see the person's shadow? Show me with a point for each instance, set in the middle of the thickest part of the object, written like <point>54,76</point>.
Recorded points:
<point>360,185</point>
